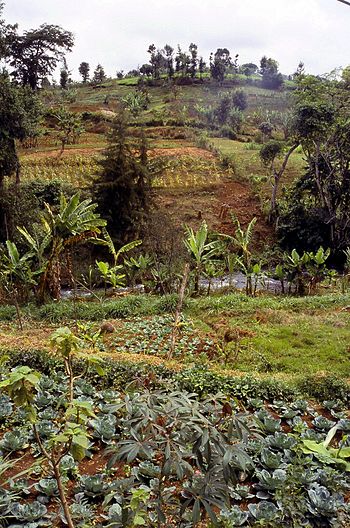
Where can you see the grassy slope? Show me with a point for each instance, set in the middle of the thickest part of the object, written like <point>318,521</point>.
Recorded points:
<point>246,160</point>
<point>287,336</point>
<point>282,336</point>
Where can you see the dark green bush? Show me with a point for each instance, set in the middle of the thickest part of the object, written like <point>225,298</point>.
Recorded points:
<point>227,131</point>
<point>198,379</point>
<point>325,387</point>
<point>40,360</point>
<point>23,203</point>
<point>203,381</point>
<point>7,313</point>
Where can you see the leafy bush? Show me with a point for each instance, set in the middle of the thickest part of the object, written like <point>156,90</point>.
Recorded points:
<point>7,313</point>
<point>194,379</point>
<point>227,131</point>
<point>327,387</point>
<point>202,381</point>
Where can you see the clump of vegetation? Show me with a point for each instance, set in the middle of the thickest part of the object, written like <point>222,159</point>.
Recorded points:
<point>217,177</point>
<point>205,453</point>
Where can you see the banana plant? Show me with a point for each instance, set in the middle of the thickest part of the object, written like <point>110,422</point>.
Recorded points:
<point>75,222</point>
<point>16,268</point>
<point>137,267</point>
<point>16,275</point>
<point>280,273</point>
<point>124,249</point>
<point>317,268</point>
<point>296,269</point>
<point>307,269</point>
<point>241,241</point>
<point>212,270</point>
<point>111,274</point>
<point>201,250</point>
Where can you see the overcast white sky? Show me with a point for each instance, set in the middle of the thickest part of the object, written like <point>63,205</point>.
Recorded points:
<point>117,33</point>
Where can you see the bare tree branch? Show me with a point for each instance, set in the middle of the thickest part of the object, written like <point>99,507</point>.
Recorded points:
<point>344,2</point>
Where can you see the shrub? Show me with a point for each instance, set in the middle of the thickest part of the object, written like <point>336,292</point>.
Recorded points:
<point>325,387</point>
<point>24,207</point>
<point>202,381</point>
<point>7,313</point>
<point>198,379</point>
<point>239,99</point>
<point>227,132</point>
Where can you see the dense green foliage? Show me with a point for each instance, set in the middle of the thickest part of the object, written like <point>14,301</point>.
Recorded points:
<point>182,406</point>
<point>317,210</point>
<point>122,191</point>
<point>173,457</point>
<point>19,114</point>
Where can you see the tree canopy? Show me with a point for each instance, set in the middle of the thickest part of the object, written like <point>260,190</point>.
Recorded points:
<point>19,115</point>
<point>35,54</point>
<point>319,204</point>
<point>122,190</point>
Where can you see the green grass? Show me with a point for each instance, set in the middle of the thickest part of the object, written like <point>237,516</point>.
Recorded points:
<point>286,336</point>
<point>307,344</point>
<point>241,304</point>
<point>248,166</point>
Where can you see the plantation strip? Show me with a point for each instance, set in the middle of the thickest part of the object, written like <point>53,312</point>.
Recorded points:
<point>122,369</point>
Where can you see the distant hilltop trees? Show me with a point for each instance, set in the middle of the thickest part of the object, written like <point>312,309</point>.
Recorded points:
<point>33,56</point>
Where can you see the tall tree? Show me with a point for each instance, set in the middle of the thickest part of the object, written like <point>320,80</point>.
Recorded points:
<point>122,190</point>
<point>7,33</point>
<point>15,123</point>
<point>84,70</point>
<point>219,64</point>
<point>271,78</point>
<point>201,67</point>
<point>319,207</point>
<point>157,60</point>
<point>248,69</point>
<point>146,69</point>
<point>99,74</point>
<point>193,49</point>
<point>182,62</point>
<point>64,78</point>
<point>35,54</point>
<point>169,51</point>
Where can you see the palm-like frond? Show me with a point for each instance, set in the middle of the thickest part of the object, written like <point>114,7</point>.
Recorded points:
<point>242,238</point>
<point>124,249</point>
<point>74,217</point>
<point>198,246</point>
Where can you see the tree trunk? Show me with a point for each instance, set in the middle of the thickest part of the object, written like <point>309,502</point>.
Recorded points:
<point>277,178</point>
<point>62,494</point>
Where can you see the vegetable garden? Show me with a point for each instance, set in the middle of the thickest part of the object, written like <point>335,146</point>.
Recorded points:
<point>78,451</point>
